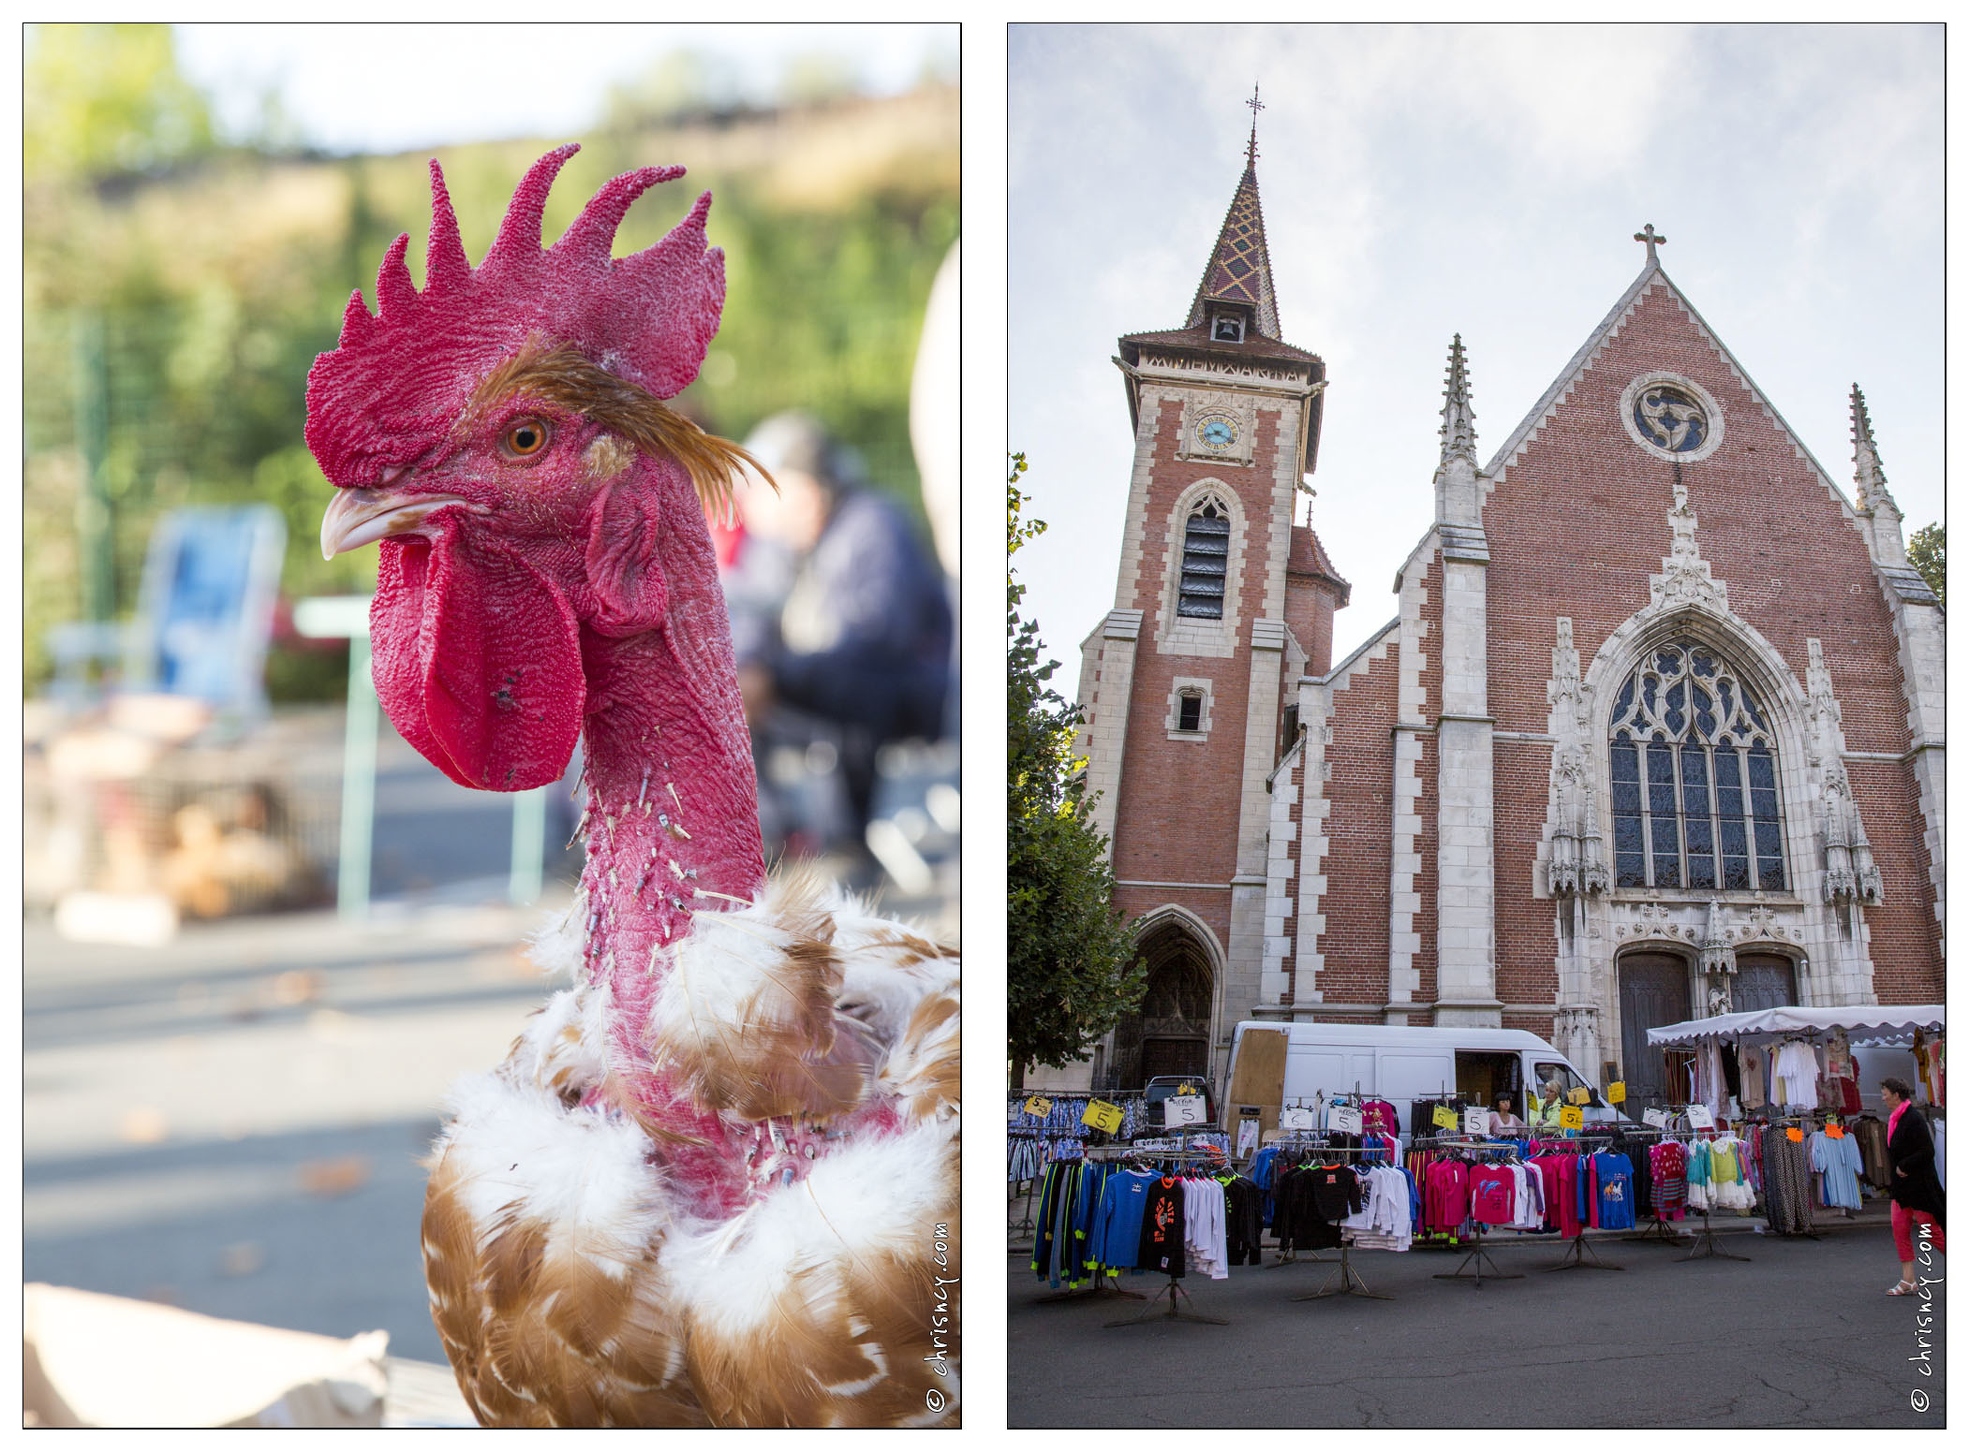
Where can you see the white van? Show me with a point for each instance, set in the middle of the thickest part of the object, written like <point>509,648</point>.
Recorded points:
<point>1278,1064</point>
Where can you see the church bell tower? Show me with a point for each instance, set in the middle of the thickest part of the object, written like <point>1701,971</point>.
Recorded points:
<point>1222,603</point>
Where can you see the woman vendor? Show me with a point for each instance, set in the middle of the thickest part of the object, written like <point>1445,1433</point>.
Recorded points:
<point>1504,1118</point>
<point>1911,1179</point>
<point>1545,1111</point>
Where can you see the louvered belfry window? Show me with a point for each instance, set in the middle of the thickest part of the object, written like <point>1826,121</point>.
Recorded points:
<point>1694,773</point>
<point>1206,561</point>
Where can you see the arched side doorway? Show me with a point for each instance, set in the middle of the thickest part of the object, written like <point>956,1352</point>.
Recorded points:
<point>1170,1034</point>
<point>1654,990</point>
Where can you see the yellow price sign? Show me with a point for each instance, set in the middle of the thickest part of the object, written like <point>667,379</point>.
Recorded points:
<point>1616,1093</point>
<point>1444,1117</point>
<point>1571,1117</point>
<point>1102,1115</point>
<point>1039,1106</point>
<point>1580,1096</point>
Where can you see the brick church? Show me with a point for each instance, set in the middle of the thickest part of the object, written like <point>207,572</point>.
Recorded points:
<point>1657,732</point>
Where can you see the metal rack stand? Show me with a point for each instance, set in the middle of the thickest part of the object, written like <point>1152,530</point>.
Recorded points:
<point>1579,1256</point>
<point>1480,1258</point>
<point>1174,1290</point>
<point>1706,1246</point>
<point>1350,1280</point>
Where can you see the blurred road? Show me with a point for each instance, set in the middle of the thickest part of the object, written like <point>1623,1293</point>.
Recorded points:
<point>233,1123</point>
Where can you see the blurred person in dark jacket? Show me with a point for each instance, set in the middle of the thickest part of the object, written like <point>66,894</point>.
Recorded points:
<point>862,638</point>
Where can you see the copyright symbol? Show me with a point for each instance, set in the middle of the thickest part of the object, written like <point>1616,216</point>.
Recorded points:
<point>1917,1398</point>
<point>933,1399</point>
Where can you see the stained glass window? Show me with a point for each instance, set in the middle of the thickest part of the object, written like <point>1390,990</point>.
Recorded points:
<point>1693,772</point>
<point>1206,561</point>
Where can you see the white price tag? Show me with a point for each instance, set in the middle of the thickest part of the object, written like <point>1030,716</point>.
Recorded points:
<point>1656,1117</point>
<point>1180,1109</point>
<point>1344,1119</point>
<point>1295,1119</point>
<point>1476,1121</point>
<point>1700,1117</point>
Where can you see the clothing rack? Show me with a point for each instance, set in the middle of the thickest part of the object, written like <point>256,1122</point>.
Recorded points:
<point>1177,1296</point>
<point>1350,1280</point>
<point>1471,1268</point>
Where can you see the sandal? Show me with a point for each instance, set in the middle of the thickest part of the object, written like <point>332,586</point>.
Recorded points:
<point>1902,1288</point>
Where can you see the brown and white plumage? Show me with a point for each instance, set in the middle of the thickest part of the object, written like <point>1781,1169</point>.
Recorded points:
<point>571,1287</point>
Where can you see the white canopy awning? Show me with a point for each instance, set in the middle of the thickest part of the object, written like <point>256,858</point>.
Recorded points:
<point>1873,1020</point>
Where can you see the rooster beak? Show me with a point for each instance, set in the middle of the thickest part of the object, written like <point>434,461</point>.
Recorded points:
<point>357,517</point>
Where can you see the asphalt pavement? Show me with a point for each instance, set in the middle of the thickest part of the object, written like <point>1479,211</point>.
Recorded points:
<point>1799,1334</point>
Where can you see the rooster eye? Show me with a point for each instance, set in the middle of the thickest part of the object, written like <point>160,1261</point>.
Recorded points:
<point>525,437</point>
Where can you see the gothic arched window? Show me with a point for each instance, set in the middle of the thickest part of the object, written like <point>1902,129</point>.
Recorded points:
<point>1206,562</point>
<point>1694,776</point>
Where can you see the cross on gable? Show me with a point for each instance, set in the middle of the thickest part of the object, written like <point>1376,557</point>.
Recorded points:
<point>1256,105</point>
<point>1647,234</point>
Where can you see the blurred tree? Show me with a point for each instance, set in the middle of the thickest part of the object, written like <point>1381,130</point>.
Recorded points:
<point>1928,553</point>
<point>816,78</point>
<point>107,100</point>
<point>1071,969</point>
<point>677,85</point>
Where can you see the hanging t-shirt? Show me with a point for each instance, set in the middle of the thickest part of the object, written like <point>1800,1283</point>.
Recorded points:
<point>1162,1228</point>
<point>1493,1195</point>
<point>1448,1195</point>
<point>1613,1192</point>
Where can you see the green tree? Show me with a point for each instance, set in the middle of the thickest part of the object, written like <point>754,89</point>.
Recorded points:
<point>107,100</point>
<point>1928,553</point>
<point>1072,970</point>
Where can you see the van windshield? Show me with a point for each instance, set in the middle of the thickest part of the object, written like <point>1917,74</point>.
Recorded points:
<point>1568,1081</point>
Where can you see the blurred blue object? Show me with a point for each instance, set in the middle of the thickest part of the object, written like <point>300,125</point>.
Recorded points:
<point>204,614</point>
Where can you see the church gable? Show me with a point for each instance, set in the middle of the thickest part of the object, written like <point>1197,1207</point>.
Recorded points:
<point>1588,491</point>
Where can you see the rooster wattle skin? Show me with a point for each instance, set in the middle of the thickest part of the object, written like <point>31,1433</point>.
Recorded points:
<point>715,1181</point>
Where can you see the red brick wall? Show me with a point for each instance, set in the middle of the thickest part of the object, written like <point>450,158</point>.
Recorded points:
<point>1309,607</point>
<point>1176,816</point>
<point>1359,829</point>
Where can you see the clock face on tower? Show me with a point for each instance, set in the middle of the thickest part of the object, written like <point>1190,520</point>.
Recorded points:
<point>1216,432</point>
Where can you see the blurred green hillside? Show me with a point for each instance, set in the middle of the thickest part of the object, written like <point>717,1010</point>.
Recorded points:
<point>176,291</point>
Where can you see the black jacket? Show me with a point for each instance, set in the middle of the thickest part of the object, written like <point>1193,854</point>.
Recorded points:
<point>1911,1164</point>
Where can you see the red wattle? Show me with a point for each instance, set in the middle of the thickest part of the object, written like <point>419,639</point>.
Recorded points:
<point>478,661</point>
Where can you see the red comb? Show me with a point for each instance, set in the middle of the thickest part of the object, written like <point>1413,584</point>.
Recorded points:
<point>390,392</point>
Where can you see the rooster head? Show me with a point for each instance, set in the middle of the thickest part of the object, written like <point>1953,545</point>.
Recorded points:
<point>503,435</point>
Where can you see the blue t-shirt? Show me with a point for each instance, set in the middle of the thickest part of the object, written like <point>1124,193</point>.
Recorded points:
<point>1614,1191</point>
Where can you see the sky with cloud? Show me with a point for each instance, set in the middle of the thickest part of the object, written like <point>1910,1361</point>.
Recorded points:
<point>1482,180</point>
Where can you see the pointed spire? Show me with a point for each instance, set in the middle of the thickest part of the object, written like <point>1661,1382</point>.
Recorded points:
<point>1459,430</point>
<point>1870,478</point>
<point>1240,268</point>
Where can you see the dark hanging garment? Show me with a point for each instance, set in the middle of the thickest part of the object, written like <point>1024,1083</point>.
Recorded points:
<point>1732,1071</point>
<point>1162,1228</point>
<point>1244,1226</point>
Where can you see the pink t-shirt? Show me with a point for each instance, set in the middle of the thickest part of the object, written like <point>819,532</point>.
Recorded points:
<point>1493,1194</point>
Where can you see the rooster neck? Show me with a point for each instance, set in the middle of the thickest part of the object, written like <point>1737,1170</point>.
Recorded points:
<point>672,824</point>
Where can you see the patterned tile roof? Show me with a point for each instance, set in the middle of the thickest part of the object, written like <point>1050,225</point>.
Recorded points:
<point>1240,269</point>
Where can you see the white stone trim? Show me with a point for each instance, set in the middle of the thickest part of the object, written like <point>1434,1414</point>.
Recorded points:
<point>1181,686</point>
<point>1712,411</point>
